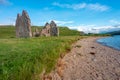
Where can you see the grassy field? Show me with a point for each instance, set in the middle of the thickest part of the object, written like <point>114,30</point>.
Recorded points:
<point>24,59</point>
<point>9,31</point>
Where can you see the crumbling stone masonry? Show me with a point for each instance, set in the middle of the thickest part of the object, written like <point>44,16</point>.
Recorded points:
<point>36,33</point>
<point>50,29</point>
<point>23,25</point>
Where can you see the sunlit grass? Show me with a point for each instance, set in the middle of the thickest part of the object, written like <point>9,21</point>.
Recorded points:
<point>24,59</point>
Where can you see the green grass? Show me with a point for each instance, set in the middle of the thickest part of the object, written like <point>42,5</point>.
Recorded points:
<point>9,31</point>
<point>26,59</point>
<point>64,31</point>
<point>23,59</point>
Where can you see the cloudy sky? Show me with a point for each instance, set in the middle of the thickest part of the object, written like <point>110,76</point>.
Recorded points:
<point>86,15</point>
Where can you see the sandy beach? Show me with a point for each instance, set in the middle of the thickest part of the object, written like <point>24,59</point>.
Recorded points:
<point>88,60</point>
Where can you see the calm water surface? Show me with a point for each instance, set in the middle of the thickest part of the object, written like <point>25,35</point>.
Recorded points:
<point>113,41</point>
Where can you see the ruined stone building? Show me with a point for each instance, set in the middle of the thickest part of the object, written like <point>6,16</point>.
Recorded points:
<point>54,29</point>
<point>46,30</point>
<point>50,29</point>
<point>23,25</point>
<point>36,33</point>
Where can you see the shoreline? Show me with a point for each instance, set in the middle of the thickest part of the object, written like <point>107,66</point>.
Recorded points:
<point>88,60</point>
<point>105,44</point>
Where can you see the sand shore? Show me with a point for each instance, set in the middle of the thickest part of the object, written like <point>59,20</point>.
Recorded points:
<point>89,60</point>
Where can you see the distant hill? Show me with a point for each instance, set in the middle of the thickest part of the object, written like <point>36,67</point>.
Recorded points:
<point>65,31</point>
<point>9,31</point>
<point>114,33</point>
<point>116,30</point>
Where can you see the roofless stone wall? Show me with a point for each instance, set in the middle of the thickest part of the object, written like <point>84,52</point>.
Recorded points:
<point>50,29</point>
<point>23,25</point>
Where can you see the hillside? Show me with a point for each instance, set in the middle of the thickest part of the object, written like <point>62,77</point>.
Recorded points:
<point>115,33</point>
<point>9,31</point>
<point>65,31</point>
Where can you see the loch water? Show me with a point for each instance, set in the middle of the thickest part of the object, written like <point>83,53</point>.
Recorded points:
<point>113,41</point>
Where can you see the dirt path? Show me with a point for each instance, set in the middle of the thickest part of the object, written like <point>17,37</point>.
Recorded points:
<point>89,60</point>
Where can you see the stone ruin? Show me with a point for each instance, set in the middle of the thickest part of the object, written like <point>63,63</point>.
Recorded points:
<point>46,30</point>
<point>54,29</point>
<point>23,25</point>
<point>36,33</point>
<point>50,29</point>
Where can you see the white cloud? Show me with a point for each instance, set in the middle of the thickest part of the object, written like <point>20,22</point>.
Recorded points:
<point>98,7</point>
<point>5,2</point>
<point>47,8</point>
<point>90,6</point>
<point>114,21</point>
<point>95,29</point>
<point>63,22</point>
<point>73,6</point>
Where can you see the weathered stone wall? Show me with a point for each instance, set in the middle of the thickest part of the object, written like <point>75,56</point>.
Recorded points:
<point>23,25</point>
<point>46,30</point>
<point>54,29</point>
<point>50,29</point>
<point>36,33</point>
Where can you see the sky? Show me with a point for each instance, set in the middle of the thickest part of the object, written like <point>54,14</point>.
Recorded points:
<point>84,15</point>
